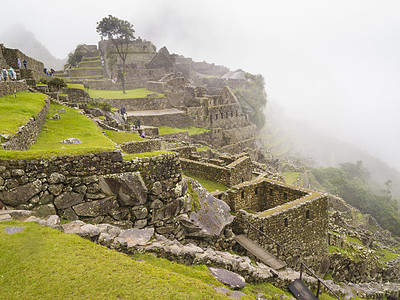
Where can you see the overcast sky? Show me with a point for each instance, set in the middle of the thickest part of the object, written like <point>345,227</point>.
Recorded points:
<point>333,64</point>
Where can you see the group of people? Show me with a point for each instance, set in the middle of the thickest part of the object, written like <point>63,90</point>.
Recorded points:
<point>46,72</point>
<point>20,65</point>
<point>9,75</point>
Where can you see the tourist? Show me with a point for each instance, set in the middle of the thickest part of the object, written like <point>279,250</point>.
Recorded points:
<point>45,71</point>
<point>143,135</point>
<point>138,123</point>
<point>11,74</point>
<point>19,63</point>
<point>25,63</point>
<point>4,73</point>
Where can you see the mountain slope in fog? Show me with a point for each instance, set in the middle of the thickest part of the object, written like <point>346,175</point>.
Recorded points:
<point>288,138</point>
<point>21,38</point>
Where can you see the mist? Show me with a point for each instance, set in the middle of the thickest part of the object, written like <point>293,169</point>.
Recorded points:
<point>334,66</point>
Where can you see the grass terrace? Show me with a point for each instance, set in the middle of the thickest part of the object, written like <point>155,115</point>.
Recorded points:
<point>75,86</point>
<point>65,266</point>
<point>123,137</point>
<point>130,94</point>
<point>15,112</point>
<point>208,184</point>
<point>72,125</point>
<point>291,177</point>
<point>144,154</point>
<point>192,130</point>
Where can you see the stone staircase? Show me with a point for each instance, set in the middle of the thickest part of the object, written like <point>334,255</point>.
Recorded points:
<point>259,252</point>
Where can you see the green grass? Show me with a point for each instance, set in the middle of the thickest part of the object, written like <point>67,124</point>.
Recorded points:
<point>75,86</point>
<point>192,130</point>
<point>387,255</point>
<point>41,84</point>
<point>201,149</point>
<point>87,68</point>
<point>351,254</point>
<point>71,125</point>
<point>15,112</point>
<point>123,137</point>
<point>144,154</point>
<point>208,184</point>
<point>130,94</point>
<point>354,240</point>
<point>43,263</point>
<point>290,177</point>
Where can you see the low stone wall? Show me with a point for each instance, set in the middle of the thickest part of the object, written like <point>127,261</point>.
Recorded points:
<point>98,187</point>
<point>181,136</point>
<point>28,133</point>
<point>85,72</point>
<point>262,194</point>
<point>184,152</point>
<point>8,88</point>
<point>76,95</point>
<point>138,103</point>
<point>156,86</point>
<point>238,147</point>
<point>232,174</point>
<point>171,120</point>
<point>213,137</point>
<point>302,230</point>
<point>143,146</point>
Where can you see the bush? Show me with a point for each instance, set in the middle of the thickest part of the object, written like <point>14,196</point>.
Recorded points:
<point>57,83</point>
<point>102,105</point>
<point>42,80</point>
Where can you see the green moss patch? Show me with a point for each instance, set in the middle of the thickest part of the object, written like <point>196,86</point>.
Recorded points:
<point>15,112</point>
<point>43,263</point>
<point>130,94</point>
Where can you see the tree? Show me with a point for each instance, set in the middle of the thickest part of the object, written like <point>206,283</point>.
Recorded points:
<point>121,33</point>
<point>75,57</point>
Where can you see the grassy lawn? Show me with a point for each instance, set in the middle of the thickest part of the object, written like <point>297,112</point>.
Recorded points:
<point>15,112</point>
<point>208,184</point>
<point>123,137</point>
<point>290,177</point>
<point>43,263</point>
<point>71,125</point>
<point>75,86</point>
<point>192,130</point>
<point>387,255</point>
<point>130,94</point>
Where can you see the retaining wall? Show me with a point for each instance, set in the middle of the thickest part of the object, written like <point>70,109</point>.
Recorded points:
<point>8,88</point>
<point>28,133</point>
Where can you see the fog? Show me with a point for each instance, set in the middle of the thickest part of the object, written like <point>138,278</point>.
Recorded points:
<point>333,65</point>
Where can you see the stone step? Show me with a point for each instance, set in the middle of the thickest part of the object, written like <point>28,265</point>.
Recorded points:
<point>259,252</point>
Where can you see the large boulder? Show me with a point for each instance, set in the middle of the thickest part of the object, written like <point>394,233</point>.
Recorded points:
<point>210,213</point>
<point>231,279</point>
<point>21,194</point>
<point>128,188</point>
<point>68,199</point>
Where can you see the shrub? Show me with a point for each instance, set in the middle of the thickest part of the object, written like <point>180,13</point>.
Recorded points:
<point>57,83</point>
<point>102,105</point>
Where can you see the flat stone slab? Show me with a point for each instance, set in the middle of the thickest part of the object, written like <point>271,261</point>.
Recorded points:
<point>136,236</point>
<point>231,279</point>
<point>13,229</point>
<point>155,112</point>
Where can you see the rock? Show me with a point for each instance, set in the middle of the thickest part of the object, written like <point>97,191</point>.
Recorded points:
<point>70,214</point>
<point>140,212</point>
<point>89,230</point>
<point>45,210</point>
<point>32,219</point>
<point>95,208</point>
<point>13,229</point>
<point>17,172</point>
<point>72,141</point>
<point>61,111</point>
<point>56,178</point>
<point>53,221</point>
<point>73,227</point>
<point>56,117</point>
<point>21,194</point>
<point>5,217</point>
<point>17,215</point>
<point>5,136</point>
<point>233,280</point>
<point>169,210</point>
<point>236,295</point>
<point>156,204</point>
<point>128,187</point>
<point>55,189</point>
<point>213,215</point>
<point>68,199</point>
<point>140,223</point>
<point>135,236</point>
<point>157,188</point>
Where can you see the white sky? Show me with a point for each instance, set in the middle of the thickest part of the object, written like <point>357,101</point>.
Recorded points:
<point>333,64</point>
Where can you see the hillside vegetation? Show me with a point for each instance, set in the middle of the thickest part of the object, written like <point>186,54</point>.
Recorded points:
<point>352,183</point>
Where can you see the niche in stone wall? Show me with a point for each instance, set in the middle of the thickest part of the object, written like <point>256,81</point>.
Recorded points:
<point>308,214</point>
<point>286,221</point>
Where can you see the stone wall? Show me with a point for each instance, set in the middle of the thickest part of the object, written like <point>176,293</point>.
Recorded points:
<point>10,57</point>
<point>262,194</point>
<point>109,85</point>
<point>28,133</point>
<point>138,104</point>
<point>76,95</point>
<point>180,136</point>
<point>8,88</point>
<point>238,147</point>
<point>98,187</point>
<point>234,173</point>
<point>302,230</point>
<point>156,86</point>
<point>171,120</point>
<point>143,146</point>
<point>86,72</point>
